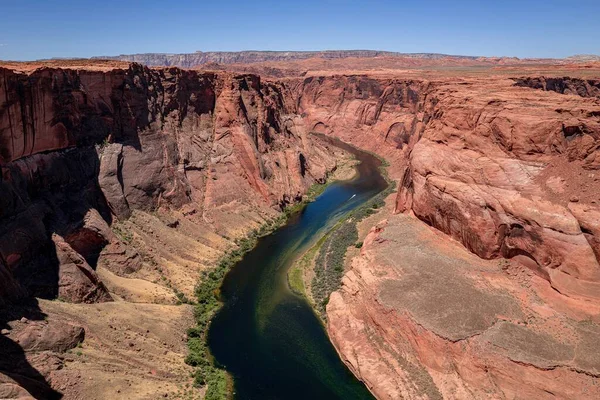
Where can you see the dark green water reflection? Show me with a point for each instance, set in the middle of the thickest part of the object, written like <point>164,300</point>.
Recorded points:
<point>267,337</point>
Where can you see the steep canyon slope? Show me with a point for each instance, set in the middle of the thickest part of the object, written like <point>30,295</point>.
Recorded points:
<point>509,171</point>
<point>119,186</point>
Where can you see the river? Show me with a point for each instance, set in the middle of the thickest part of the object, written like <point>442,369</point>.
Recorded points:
<point>267,337</point>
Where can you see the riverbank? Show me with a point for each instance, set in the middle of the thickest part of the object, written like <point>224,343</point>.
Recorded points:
<point>345,170</point>
<point>207,374</point>
<point>207,294</point>
<point>299,276</point>
<point>318,272</point>
<point>270,340</point>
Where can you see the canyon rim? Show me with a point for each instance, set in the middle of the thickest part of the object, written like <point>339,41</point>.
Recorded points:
<point>122,183</point>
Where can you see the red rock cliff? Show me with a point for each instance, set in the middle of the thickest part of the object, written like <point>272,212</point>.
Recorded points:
<point>507,171</point>
<point>510,172</point>
<point>75,142</point>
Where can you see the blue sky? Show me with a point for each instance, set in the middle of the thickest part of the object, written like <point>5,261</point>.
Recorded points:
<point>68,28</point>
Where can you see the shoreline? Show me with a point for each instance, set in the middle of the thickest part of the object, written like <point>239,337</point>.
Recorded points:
<point>215,380</point>
<point>304,266</point>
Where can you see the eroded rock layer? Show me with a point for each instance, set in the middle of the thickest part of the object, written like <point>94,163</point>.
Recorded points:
<point>512,174</point>
<point>420,317</point>
<point>125,184</point>
<point>80,147</point>
<point>507,171</point>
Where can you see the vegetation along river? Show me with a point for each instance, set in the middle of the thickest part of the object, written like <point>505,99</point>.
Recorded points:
<point>269,338</point>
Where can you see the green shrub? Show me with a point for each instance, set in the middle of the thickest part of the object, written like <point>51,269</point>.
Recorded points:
<point>329,264</point>
<point>122,233</point>
<point>182,298</point>
<point>207,304</point>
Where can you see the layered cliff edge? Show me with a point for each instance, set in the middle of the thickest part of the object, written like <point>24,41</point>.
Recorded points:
<point>124,184</point>
<point>506,168</point>
<point>118,188</point>
<point>508,172</point>
<point>190,60</point>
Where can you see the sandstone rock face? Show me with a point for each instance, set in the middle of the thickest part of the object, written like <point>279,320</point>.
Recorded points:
<point>509,172</point>
<point>44,194</point>
<point>420,317</point>
<point>30,350</point>
<point>478,174</point>
<point>504,168</point>
<point>82,150</point>
<point>55,336</point>
<point>78,148</point>
<point>77,281</point>
<point>477,161</point>
<point>384,116</point>
<point>580,87</point>
<point>90,236</point>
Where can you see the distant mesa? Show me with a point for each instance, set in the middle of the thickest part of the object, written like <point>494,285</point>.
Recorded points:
<point>584,57</point>
<point>189,60</point>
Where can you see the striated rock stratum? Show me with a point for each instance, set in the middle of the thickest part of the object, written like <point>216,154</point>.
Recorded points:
<point>509,173</point>
<point>506,168</point>
<point>121,183</point>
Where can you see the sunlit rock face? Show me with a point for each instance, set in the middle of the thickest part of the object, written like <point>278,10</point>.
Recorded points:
<point>500,168</point>
<point>511,174</point>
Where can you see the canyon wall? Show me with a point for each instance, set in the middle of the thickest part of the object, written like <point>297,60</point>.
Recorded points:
<point>566,85</point>
<point>76,143</point>
<point>125,184</point>
<point>512,174</point>
<point>508,172</point>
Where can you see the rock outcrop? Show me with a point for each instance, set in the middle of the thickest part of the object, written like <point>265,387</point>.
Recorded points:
<point>420,317</point>
<point>480,161</point>
<point>566,85</point>
<point>79,148</point>
<point>506,171</point>
<point>483,173</point>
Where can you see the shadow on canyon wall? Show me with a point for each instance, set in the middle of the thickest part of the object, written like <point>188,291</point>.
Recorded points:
<point>13,362</point>
<point>57,199</point>
<point>47,248</point>
<point>45,202</point>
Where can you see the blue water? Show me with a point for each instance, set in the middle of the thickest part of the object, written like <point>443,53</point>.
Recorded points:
<point>267,337</point>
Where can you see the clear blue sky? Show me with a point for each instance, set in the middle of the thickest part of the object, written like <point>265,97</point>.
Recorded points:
<point>82,28</point>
